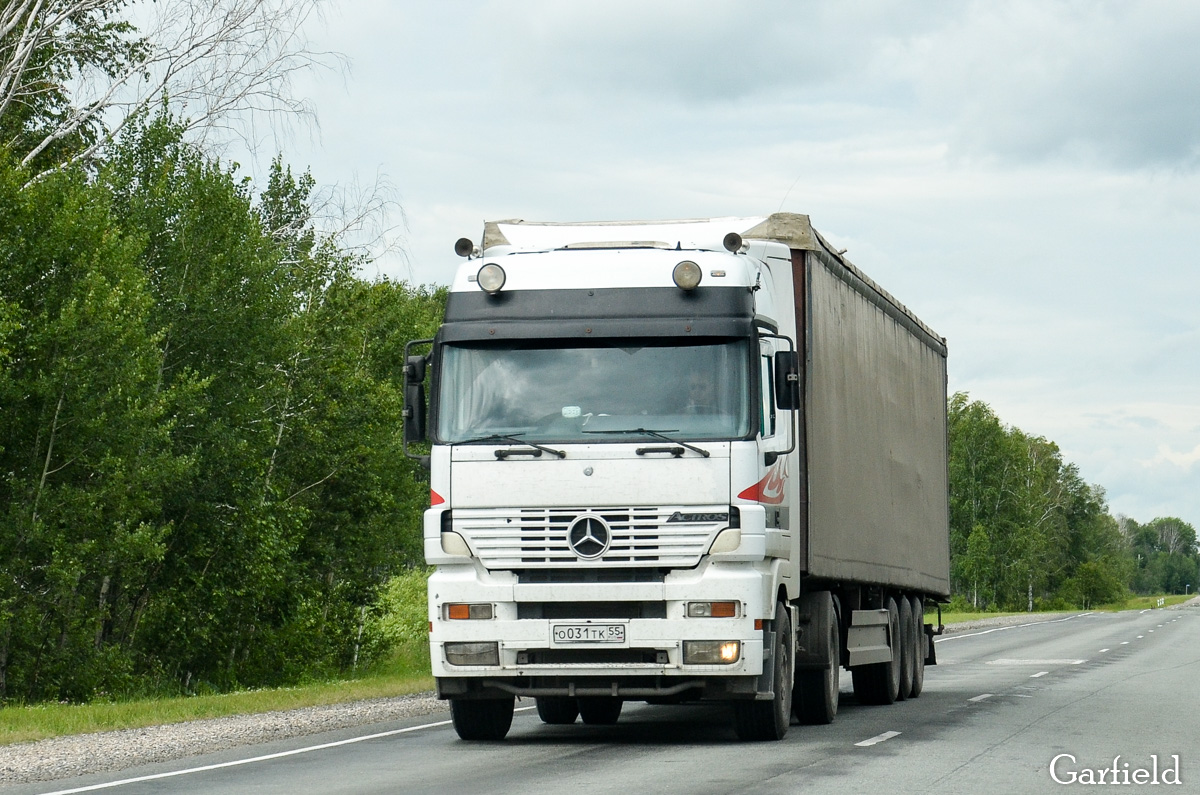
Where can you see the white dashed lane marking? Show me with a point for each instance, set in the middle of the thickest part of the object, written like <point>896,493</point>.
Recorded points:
<point>879,738</point>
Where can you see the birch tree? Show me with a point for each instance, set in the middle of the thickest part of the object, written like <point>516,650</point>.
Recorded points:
<point>74,72</point>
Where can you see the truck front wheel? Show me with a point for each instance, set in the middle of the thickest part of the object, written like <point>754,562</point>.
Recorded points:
<point>485,719</point>
<point>768,720</point>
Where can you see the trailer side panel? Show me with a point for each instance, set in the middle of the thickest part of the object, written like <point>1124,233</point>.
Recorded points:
<point>876,436</point>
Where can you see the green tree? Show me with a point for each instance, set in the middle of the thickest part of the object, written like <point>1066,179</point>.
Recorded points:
<point>202,478</point>
<point>1022,520</point>
<point>87,451</point>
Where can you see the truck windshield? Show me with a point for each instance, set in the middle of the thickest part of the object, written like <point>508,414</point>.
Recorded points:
<point>563,392</point>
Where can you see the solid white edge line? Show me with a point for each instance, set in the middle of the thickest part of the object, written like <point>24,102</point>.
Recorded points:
<point>263,758</point>
<point>1010,626</point>
<point>879,738</point>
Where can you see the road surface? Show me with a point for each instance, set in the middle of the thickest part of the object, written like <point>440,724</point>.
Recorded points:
<point>999,708</point>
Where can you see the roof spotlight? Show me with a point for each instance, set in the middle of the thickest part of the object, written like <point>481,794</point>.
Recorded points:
<point>490,278</point>
<point>686,275</point>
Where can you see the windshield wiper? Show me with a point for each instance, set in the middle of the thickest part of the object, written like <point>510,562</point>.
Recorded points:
<point>658,435</point>
<point>516,439</point>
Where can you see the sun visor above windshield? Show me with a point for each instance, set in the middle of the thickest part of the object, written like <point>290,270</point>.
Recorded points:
<point>705,312</point>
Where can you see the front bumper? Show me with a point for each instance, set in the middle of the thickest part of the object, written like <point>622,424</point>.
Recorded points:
<point>648,657</point>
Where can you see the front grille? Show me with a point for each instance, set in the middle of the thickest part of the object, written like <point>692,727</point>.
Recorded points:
<point>523,538</point>
<point>546,576</point>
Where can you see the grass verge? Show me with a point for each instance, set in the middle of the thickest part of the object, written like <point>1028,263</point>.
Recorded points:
<point>1133,603</point>
<point>406,672</point>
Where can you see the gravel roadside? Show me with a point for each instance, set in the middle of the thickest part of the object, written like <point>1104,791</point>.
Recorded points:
<point>76,755</point>
<point>64,757</point>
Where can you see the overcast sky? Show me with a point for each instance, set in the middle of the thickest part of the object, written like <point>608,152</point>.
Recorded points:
<point>1024,175</point>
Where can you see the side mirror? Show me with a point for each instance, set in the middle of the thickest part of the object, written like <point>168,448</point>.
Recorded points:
<point>414,369</point>
<point>414,398</point>
<point>414,412</point>
<point>787,380</point>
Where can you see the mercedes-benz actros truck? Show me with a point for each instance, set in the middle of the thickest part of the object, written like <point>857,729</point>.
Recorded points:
<point>699,460</point>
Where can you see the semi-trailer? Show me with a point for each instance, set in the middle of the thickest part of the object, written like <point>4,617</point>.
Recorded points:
<point>699,460</point>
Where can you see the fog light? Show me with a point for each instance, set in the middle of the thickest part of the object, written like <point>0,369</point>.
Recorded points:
<point>473,653</point>
<point>711,652</point>
<point>712,609</point>
<point>490,278</point>
<point>460,612</point>
<point>686,275</point>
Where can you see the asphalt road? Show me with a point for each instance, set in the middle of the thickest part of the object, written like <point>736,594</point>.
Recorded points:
<point>999,707</point>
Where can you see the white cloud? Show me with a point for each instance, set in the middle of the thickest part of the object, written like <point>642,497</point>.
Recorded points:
<point>1166,455</point>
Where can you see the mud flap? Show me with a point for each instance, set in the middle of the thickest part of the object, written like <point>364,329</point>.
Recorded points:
<point>765,686</point>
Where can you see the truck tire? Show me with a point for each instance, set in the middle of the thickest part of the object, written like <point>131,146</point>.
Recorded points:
<point>879,683</point>
<point>919,651</point>
<point>769,720</point>
<point>600,710</point>
<point>815,692</point>
<point>908,646</point>
<point>558,710</point>
<point>482,719</point>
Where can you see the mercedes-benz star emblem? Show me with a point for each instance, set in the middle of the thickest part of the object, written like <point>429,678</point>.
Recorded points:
<point>589,536</point>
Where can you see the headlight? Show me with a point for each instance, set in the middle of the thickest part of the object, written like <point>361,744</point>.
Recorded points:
<point>711,652</point>
<point>473,653</point>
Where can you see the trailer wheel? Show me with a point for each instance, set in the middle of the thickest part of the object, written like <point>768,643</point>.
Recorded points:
<point>484,719</point>
<point>879,683</point>
<point>600,710</point>
<point>908,646</point>
<point>768,720</point>
<point>815,693</point>
<point>559,710</point>
<point>920,641</point>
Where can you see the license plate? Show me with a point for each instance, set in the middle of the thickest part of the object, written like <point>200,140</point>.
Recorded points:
<point>588,633</point>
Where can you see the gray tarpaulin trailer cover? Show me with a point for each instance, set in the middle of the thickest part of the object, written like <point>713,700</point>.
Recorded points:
<point>875,423</point>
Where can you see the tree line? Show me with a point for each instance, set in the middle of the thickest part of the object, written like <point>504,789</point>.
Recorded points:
<point>1027,532</point>
<point>201,482</point>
